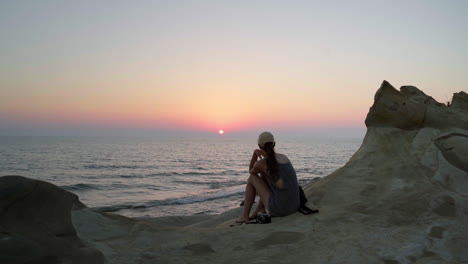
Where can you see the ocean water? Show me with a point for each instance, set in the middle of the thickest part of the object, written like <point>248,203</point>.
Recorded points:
<point>153,177</point>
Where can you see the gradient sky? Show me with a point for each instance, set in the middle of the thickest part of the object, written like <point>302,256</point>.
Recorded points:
<point>84,67</point>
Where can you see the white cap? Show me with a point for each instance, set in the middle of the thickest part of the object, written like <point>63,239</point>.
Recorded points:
<point>265,137</point>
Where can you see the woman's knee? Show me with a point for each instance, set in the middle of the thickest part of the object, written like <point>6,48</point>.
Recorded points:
<point>253,178</point>
<point>258,182</point>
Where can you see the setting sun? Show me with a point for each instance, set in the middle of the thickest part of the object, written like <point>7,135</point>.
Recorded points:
<point>221,132</point>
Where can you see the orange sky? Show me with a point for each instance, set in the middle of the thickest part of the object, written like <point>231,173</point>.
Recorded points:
<point>205,66</point>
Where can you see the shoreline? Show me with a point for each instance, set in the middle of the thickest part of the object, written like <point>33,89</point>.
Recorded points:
<point>235,201</point>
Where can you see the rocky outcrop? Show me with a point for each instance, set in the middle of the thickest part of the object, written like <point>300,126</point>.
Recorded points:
<point>460,101</point>
<point>36,225</point>
<point>395,109</point>
<point>454,147</point>
<point>408,182</point>
<point>411,109</point>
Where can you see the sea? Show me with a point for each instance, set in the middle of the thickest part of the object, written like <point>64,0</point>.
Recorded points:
<point>152,177</point>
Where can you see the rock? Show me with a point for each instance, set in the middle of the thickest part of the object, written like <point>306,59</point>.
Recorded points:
<point>412,109</point>
<point>394,109</point>
<point>17,249</point>
<point>445,118</point>
<point>36,226</point>
<point>414,94</point>
<point>410,174</point>
<point>460,101</point>
<point>454,147</point>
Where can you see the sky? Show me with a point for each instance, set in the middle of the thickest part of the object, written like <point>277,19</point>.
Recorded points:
<point>187,67</point>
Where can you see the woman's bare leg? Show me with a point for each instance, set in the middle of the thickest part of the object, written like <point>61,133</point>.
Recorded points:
<point>255,185</point>
<point>249,198</point>
<point>260,209</point>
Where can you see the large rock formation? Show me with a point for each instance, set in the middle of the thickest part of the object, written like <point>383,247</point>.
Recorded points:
<point>460,101</point>
<point>401,198</point>
<point>411,109</point>
<point>408,182</point>
<point>36,226</point>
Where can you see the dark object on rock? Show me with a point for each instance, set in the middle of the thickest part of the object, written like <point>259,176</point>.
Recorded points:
<point>263,218</point>
<point>302,204</point>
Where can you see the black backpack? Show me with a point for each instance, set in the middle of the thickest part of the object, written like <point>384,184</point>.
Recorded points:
<point>302,201</point>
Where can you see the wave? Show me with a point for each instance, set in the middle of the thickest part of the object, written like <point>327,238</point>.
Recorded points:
<point>213,184</point>
<point>192,173</point>
<point>159,174</point>
<point>80,187</point>
<point>97,166</point>
<point>310,171</point>
<point>221,194</point>
<point>305,181</point>
<point>168,174</point>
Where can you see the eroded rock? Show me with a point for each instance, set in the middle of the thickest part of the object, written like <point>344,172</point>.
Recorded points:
<point>36,224</point>
<point>394,109</point>
<point>411,109</point>
<point>454,147</point>
<point>460,101</point>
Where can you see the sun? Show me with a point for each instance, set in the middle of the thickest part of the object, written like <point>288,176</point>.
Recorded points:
<point>220,132</point>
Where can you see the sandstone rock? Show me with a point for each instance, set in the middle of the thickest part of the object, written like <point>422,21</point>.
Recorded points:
<point>445,118</point>
<point>410,109</point>
<point>419,96</point>
<point>393,109</point>
<point>35,224</point>
<point>454,147</point>
<point>460,101</point>
<point>410,172</point>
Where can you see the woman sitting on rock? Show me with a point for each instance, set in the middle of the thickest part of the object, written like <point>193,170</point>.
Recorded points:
<point>273,178</point>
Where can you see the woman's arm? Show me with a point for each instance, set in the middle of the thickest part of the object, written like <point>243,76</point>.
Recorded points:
<point>252,161</point>
<point>258,167</point>
<point>256,154</point>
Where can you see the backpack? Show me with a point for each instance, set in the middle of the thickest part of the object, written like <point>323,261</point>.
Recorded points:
<point>302,201</point>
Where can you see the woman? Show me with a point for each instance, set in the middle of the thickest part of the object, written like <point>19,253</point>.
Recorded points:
<point>273,178</point>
